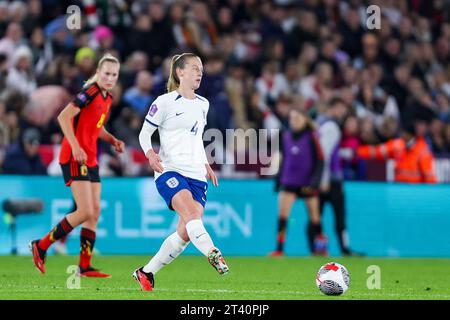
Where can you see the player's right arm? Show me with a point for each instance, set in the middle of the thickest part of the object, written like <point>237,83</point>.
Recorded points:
<point>153,120</point>
<point>145,139</point>
<point>65,121</point>
<point>82,100</point>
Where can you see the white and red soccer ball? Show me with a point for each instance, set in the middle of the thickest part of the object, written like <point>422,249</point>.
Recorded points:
<point>333,279</point>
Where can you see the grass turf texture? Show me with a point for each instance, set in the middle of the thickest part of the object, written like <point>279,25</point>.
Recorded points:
<point>250,278</point>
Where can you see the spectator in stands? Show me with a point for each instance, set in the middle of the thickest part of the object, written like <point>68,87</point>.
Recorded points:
<point>329,54</point>
<point>23,157</point>
<point>202,28</point>
<point>38,48</point>
<point>307,59</point>
<point>85,60</point>
<point>443,104</point>
<point>213,88</point>
<point>436,139</point>
<point>11,41</point>
<point>11,122</point>
<point>349,144</point>
<point>128,125</point>
<point>224,21</point>
<point>140,96</point>
<point>140,37</point>
<point>161,77</point>
<point>3,71</point>
<point>447,138</point>
<point>373,103</point>
<point>103,40</point>
<point>370,51</point>
<point>21,75</point>
<point>178,24</point>
<point>136,62</point>
<point>271,84</point>
<point>405,32</point>
<point>368,134</point>
<point>313,86</point>
<point>397,86</point>
<point>307,30</point>
<point>439,81</point>
<point>61,71</point>
<point>34,17</point>
<point>351,32</point>
<point>160,33</point>
<point>389,129</point>
<point>235,87</point>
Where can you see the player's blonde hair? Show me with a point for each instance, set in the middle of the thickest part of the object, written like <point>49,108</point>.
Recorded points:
<point>178,61</point>
<point>106,58</point>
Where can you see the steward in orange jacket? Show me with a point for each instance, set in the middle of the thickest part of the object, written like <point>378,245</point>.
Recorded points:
<point>414,162</point>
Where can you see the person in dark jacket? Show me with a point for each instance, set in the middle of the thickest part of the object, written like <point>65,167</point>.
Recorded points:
<point>23,157</point>
<point>332,181</point>
<point>299,176</point>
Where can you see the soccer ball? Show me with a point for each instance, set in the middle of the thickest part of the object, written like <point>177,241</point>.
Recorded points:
<point>333,279</point>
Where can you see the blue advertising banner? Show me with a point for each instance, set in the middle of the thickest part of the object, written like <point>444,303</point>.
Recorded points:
<point>383,219</point>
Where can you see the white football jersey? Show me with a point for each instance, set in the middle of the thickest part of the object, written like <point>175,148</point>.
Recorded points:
<point>180,123</point>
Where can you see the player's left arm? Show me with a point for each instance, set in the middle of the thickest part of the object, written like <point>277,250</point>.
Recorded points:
<point>118,145</point>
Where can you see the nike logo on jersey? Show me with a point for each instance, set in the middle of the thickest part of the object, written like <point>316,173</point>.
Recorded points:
<point>200,235</point>
<point>177,114</point>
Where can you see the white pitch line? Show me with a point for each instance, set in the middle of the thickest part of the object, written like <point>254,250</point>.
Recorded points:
<point>274,292</point>
<point>283,292</point>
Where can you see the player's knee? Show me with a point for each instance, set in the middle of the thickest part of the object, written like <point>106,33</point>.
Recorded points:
<point>96,210</point>
<point>194,213</point>
<point>87,212</point>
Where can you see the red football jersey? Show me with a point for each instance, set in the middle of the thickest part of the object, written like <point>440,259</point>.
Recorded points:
<point>88,123</point>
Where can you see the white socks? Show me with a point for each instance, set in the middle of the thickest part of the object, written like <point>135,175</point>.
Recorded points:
<point>199,236</point>
<point>170,249</point>
<point>173,246</point>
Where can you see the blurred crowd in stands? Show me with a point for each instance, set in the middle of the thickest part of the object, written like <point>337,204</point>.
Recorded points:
<point>261,58</point>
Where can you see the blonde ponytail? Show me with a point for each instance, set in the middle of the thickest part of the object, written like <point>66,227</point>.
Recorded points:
<point>106,58</point>
<point>178,61</point>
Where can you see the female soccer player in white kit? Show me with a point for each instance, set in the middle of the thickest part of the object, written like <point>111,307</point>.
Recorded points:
<point>181,167</point>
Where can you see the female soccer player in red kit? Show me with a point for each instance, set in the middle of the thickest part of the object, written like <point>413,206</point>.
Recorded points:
<point>82,124</point>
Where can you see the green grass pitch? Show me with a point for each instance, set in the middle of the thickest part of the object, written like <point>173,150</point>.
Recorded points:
<point>250,278</point>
